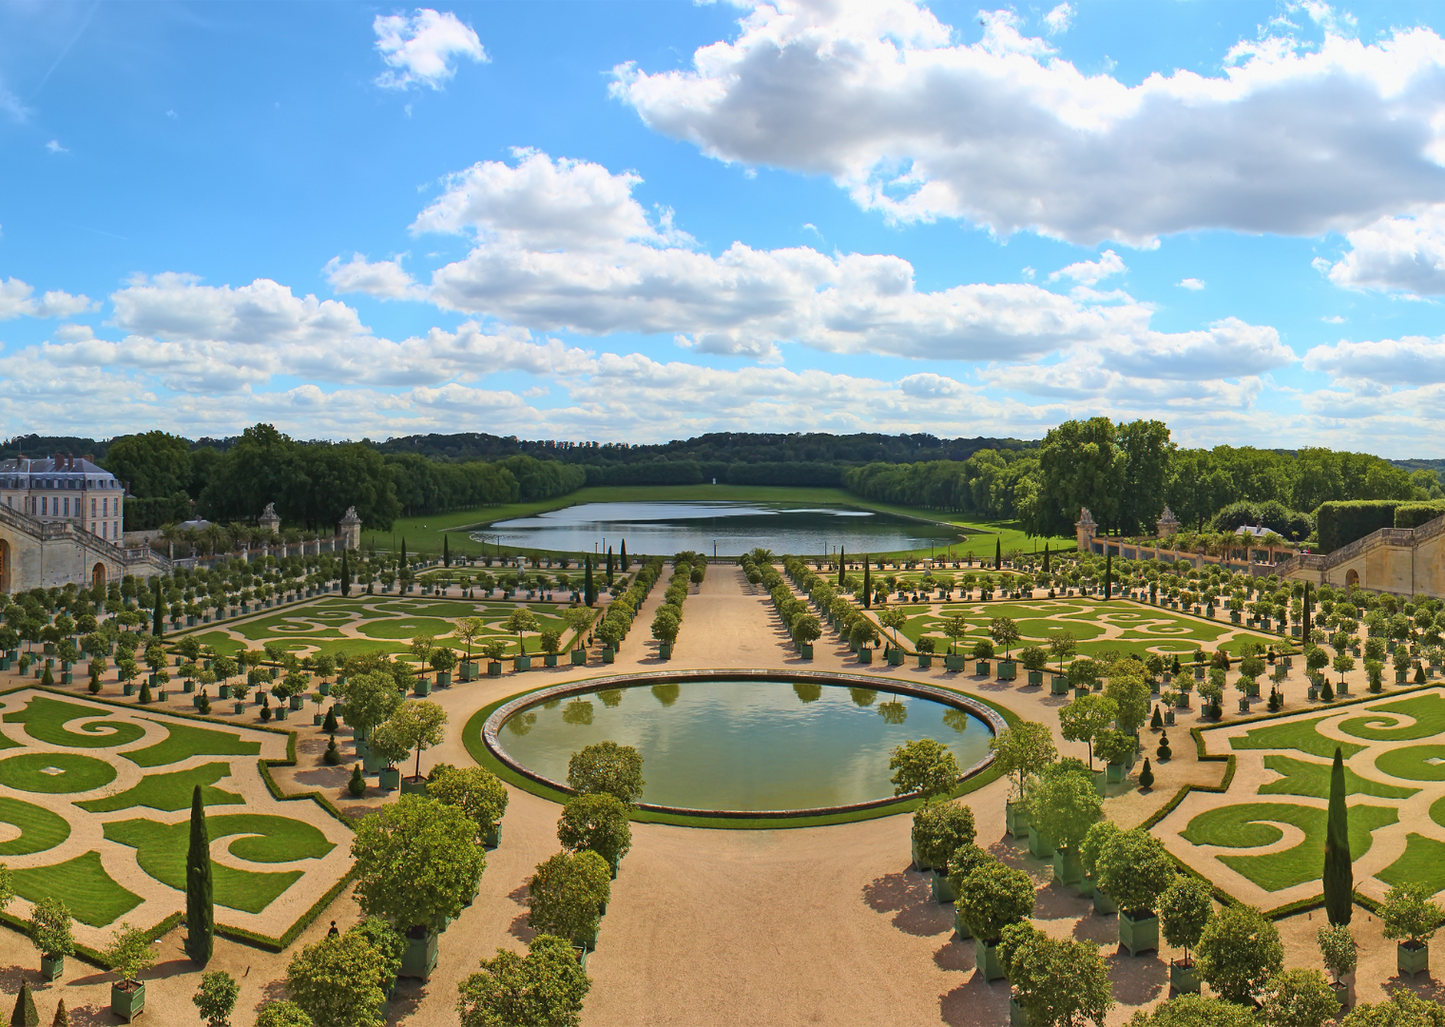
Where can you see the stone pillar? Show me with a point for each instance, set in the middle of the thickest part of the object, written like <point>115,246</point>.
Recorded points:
<point>350,529</point>
<point>1085,529</point>
<point>269,519</point>
<point>1168,523</point>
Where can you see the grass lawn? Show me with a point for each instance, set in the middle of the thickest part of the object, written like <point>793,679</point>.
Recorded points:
<point>89,892</point>
<point>40,829</point>
<point>186,741</point>
<point>1313,779</point>
<point>1413,763</point>
<point>161,851</point>
<point>1246,826</point>
<point>55,773</point>
<point>170,792</point>
<point>1428,711</point>
<point>1297,734</point>
<point>1422,862</point>
<point>421,532</point>
<point>45,719</point>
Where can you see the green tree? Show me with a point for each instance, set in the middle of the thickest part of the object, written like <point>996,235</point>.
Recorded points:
<point>1184,912</point>
<point>955,626</point>
<point>417,863</point>
<point>283,1014</point>
<point>545,988</point>
<point>1004,632</point>
<point>153,463</point>
<point>940,829</point>
<point>1299,998</point>
<point>1339,875</point>
<point>216,998</point>
<point>1130,692</point>
<point>566,892</point>
<point>415,725</point>
<point>367,700</point>
<point>1403,1008</point>
<point>25,1014</point>
<point>1135,870</point>
<point>1063,807</point>
<point>993,897</point>
<point>339,981</point>
<point>589,590</point>
<point>607,767</point>
<point>129,953</point>
<point>1083,719</point>
<point>1239,952</point>
<point>924,766</point>
<point>474,790</point>
<point>1409,914</point>
<point>520,622</point>
<point>1337,949</point>
<point>1194,1011</point>
<point>1056,983</point>
<point>597,822</point>
<point>200,908</point>
<point>50,928</point>
<point>1062,645</point>
<point>1023,750</point>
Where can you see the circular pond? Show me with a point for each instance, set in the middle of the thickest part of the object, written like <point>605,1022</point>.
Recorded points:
<point>743,743</point>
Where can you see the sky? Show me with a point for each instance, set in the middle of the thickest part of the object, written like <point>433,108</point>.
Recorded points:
<point>640,222</point>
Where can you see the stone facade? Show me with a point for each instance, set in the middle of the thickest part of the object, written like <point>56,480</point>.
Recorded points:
<point>65,489</point>
<point>36,554</point>
<point>1405,561</point>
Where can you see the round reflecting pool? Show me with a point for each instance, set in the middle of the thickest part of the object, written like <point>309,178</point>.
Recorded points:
<point>741,743</point>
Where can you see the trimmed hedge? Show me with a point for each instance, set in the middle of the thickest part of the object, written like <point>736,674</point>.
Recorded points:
<point>1412,515</point>
<point>1340,523</point>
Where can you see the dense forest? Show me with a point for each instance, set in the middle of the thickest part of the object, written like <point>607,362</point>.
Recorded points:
<point>1124,473</point>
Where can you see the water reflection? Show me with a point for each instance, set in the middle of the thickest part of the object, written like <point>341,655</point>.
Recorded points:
<point>808,693</point>
<point>893,712</point>
<point>863,696</point>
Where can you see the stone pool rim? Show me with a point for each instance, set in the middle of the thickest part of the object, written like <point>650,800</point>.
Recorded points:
<point>491,728</point>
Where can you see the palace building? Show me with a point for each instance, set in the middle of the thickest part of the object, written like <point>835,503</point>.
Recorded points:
<point>65,488</point>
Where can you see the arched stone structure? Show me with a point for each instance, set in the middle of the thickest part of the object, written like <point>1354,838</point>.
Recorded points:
<point>97,576</point>
<point>4,566</point>
<point>1352,578</point>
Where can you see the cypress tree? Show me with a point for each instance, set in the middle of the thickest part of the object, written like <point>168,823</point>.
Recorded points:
<point>25,1014</point>
<point>842,562</point>
<point>401,564</point>
<point>1339,875</point>
<point>589,590</point>
<point>329,725</point>
<point>998,554</point>
<point>867,586</point>
<point>624,556</point>
<point>158,619</point>
<point>609,566</point>
<point>200,907</point>
<point>62,1018</point>
<point>1108,575</point>
<point>446,551</point>
<point>357,785</point>
<point>345,573</point>
<point>1046,558</point>
<point>1305,630</point>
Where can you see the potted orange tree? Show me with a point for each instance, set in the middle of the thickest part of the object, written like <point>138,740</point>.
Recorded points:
<point>129,955</point>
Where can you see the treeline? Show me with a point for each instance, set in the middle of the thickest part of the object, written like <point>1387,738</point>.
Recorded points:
<point>1125,473</point>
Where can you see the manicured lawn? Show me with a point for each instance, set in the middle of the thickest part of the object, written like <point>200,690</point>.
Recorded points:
<point>40,829</point>
<point>1246,826</point>
<point>90,893</point>
<point>55,773</point>
<point>406,628</point>
<point>1428,710</point>
<point>186,741</point>
<point>170,792</point>
<point>45,720</point>
<point>1414,763</point>
<point>161,851</point>
<point>1313,779</point>
<point>1422,862</point>
<point>1295,734</point>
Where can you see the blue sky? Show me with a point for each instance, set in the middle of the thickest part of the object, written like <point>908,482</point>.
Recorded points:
<point>637,222</point>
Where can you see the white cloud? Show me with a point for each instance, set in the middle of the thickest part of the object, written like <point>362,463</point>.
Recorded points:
<point>54,147</point>
<point>419,50</point>
<point>1294,137</point>
<point>1192,284</point>
<point>562,244</point>
<point>1411,360</point>
<point>1091,272</point>
<point>1395,254</point>
<point>17,299</point>
<point>1059,19</point>
<point>1334,319</point>
<point>384,279</point>
<point>12,106</point>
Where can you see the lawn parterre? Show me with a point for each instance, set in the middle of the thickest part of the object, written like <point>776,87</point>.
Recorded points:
<point>366,624</point>
<point>97,801</point>
<point>1262,840</point>
<point>1097,625</point>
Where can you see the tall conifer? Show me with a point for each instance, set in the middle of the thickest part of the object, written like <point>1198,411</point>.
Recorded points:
<point>200,907</point>
<point>589,590</point>
<point>998,554</point>
<point>345,573</point>
<point>1339,875</point>
<point>867,586</point>
<point>842,562</point>
<point>624,556</point>
<point>158,619</point>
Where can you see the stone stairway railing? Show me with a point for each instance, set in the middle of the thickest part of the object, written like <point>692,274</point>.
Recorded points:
<point>47,531</point>
<point>1380,537</point>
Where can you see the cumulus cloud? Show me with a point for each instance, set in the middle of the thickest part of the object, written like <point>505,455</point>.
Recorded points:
<point>562,244</point>
<point>17,299</point>
<point>384,279</point>
<point>1059,19</point>
<point>1192,284</point>
<point>1409,360</point>
<point>1294,136</point>
<point>421,49</point>
<point>1395,254</point>
<point>54,147</point>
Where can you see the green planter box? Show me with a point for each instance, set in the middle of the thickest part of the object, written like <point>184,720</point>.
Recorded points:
<point>986,959</point>
<point>444,679</point>
<point>1039,846</point>
<point>127,689</point>
<point>925,661</point>
<point>1008,670</point>
<point>1016,1015</point>
<point>492,838</point>
<point>1016,820</point>
<point>960,927</point>
<point>1141,935</point>
<point>981,668</point>
<point>281,712</point>
<point>468,671</point>
<point>1085,887</point>
<point>1114,773</point>
<point>423,686</point>
<point>1080,691</point>
<point>389,778</point>
<point>579,657</point>
<point>865,655</point>
<point>896,657</point>
<point>420,957</point>
<point>298,702</point>
<point>942,889</point>
<point>1068,869</point>
<point>67,678</point>
<point>1183,978</point>
<point>609,655</point>
<point>1036,677</point>
<point>1412,960</point>
<point>955,661</point>
<point>52,967</point>
<point>413,786</point>
<point>521,663</point>
<point>494,670</point>
<point>128,1004</point>
<point>664,651</point>
<point>1103,905</point>
<point>1058,684</point>
<point>918,863</point>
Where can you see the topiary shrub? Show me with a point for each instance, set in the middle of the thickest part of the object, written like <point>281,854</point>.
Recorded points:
<point>332,756</point>
<point>357,785</point>
<point>1146,776</point>
<point>1164,752</point>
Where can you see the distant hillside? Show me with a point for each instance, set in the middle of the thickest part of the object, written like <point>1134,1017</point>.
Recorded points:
<point>1438,466</point>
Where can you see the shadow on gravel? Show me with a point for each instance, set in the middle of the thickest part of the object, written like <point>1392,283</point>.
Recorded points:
<point>908,895</point>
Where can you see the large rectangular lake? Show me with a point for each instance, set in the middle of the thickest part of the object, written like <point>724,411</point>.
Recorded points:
<point>664,528</point>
